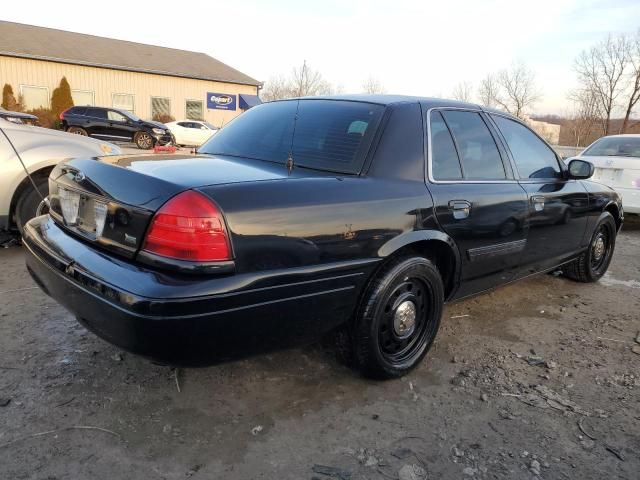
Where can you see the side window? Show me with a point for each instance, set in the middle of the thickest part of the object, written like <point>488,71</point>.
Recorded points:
<point>444,158</point>
<point>184,124</point>
<point>533,157</point>
<point>97,113</point>
<point>115,116</point>
<point>477,149</point>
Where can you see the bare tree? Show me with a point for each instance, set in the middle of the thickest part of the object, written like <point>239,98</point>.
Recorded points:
<point>302,82</point>
<point>488,91</point>
<point>373,86</point>
<point>276,88</point>
<point>633,59</point>
<point>601,69</point>
<point>516,90</point>
<point>585,115</point>
<point>307,82</point>
<point>463,91</point>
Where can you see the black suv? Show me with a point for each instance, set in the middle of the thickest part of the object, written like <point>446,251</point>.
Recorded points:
<point>114,124</point>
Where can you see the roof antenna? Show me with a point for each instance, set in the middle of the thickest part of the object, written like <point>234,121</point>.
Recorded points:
<point>290,163</point>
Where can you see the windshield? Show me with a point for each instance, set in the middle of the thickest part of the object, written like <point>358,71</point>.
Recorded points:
<point>329,135</point>
<point>211,127</point>
<point>615,147</point>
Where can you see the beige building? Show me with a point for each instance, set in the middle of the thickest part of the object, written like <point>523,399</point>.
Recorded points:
<point>549,131</point>
<point>144,79</point>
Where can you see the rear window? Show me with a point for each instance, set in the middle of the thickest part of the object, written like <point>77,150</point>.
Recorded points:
<point>97,113</point>
<point>328,135</point>
<point>615,147</point>
<point>78,110</point>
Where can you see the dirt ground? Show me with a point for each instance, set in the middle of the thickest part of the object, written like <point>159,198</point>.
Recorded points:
<point>538,379</point>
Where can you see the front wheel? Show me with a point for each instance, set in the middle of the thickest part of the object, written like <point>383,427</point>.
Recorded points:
<point>143,140</point>
<point>28,201</point>
<point>591,265</point>
<point>398,318</point>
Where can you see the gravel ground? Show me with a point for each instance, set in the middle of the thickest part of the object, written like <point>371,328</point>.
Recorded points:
<point>539,379</point>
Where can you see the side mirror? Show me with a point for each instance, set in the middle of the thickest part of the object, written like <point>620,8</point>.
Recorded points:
<point>580,169</point>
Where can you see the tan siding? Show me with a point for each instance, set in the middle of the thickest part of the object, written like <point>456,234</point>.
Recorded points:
<point>105,82</point>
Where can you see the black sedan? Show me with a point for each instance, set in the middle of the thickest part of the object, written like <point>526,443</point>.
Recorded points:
<point>359,213</point>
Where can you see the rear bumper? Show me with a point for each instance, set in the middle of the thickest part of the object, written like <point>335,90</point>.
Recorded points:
<point>184,319</point>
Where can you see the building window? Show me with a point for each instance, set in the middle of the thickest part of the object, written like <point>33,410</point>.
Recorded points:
<point>123,101</point>
<point>82,98</point>
<point>34,97</point>
<point>194,110</point>
<point>160,108</point>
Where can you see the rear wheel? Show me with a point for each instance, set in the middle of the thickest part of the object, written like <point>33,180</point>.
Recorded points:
<point>398,318</point>
<point>77,131</point>
<point>143,140</point>
<point>29,200</point>
<point>591,265</point>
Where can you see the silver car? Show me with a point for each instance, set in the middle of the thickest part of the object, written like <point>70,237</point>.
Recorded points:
<point>40,149</point>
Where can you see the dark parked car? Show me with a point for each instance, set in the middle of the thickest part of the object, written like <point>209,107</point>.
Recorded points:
<point>363,214</point>
<point>114,124</point>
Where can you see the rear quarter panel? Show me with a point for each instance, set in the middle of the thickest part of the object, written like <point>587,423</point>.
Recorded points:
<point>308,221</point>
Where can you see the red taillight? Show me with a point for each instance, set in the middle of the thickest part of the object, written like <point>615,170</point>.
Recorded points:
<point>189,227</point>
<point>61,116</point>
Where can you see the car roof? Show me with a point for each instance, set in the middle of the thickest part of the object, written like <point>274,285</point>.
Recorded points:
<point>392,99</point>
<point>387,100</point>
<point>622,135</point>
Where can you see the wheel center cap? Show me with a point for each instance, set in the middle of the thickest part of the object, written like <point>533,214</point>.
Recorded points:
<point>598,248</point>
<point>404,319</point>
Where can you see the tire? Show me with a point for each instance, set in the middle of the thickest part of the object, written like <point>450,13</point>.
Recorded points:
<point>78,131</point>
<point>386,343</point>
<point>29,200</point>
<point>591,265</point>
<point>143,140</point>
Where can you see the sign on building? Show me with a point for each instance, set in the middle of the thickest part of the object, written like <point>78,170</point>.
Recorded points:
<point>221,101</point>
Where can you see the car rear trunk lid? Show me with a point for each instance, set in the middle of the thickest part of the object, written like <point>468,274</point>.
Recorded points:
<point>111,203</point>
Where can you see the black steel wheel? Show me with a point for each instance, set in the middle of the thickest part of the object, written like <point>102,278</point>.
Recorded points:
<point>591,265</point>
<point>398,318</point>
<point>143,140</point>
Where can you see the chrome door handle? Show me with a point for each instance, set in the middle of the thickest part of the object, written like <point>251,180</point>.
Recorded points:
<point>460,208</point>
<point>538,202</point>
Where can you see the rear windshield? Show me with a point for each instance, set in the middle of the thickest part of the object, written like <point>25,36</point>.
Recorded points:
<point>329,135</point>
<point>615,147</point>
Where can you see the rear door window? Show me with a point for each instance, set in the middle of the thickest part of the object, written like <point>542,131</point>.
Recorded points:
<point>445,164</point>
<point>533,157</point>
<point>97,113</point>
<point>476,147</point>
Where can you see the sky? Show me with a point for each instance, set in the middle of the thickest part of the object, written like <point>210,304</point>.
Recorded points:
<point>411,47</point>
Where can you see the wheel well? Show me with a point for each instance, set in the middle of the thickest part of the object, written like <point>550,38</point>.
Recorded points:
<point>612,208</point>
<point>24,184</point>
<point>440,254</point>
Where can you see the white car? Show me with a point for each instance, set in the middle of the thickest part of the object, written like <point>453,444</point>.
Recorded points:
<point>616,159</point>
<point>191,132</point>
<point>40,149</point>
